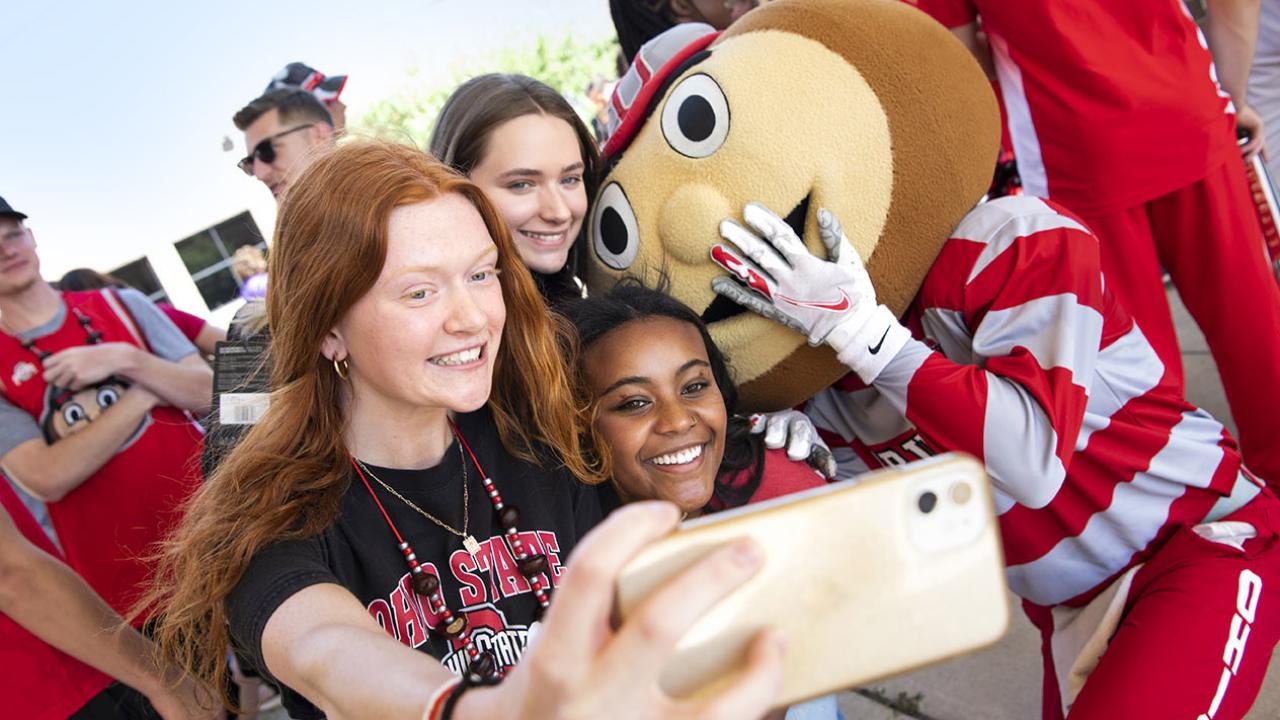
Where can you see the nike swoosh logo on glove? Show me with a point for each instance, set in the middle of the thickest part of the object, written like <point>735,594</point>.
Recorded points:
<point>876,348</point>
<point>838,306</point>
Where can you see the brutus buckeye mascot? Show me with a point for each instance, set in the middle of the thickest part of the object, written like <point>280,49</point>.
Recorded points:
<point>807,181</point>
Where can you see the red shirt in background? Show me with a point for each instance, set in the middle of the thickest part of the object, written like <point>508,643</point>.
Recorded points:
<point>1109,104</point>
<point>37,680</point>
<point>109,524</point>
<point>189,324</point>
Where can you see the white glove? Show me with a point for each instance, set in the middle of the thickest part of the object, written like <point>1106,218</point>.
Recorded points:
<point>795,431</point>
<point>827,301</point>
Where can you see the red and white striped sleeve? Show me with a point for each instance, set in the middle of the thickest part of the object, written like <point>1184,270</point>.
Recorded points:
<point>1015,302</point>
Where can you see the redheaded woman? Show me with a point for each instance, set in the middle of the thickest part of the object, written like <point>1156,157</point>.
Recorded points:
<point>417,484</point>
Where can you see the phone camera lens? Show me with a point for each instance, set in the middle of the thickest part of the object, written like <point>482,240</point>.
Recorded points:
<point>961,492</point>
<point>927,501</point>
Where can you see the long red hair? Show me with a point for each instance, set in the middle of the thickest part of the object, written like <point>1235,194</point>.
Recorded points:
<point>287,476</point>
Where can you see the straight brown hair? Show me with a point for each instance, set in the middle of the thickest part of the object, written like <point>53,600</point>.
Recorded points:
<point>478,106</point>
<point>285,480</point>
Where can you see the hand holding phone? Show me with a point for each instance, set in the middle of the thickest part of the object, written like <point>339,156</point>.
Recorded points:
<point>866,578</point>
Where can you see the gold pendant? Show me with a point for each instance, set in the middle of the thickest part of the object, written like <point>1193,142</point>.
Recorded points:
<point>469,542</point>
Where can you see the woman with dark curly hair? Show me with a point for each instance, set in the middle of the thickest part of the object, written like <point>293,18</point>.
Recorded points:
<point>664,404</point>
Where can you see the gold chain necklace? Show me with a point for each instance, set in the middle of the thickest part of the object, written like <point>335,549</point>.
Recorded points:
<point>468,541</point>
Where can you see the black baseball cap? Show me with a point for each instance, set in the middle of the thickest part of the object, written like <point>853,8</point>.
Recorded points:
<point>6,210</point>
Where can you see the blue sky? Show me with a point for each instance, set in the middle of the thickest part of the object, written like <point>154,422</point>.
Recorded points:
<point>113,114</point>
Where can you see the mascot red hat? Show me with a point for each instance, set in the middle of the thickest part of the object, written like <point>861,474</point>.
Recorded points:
<point>868,108</point>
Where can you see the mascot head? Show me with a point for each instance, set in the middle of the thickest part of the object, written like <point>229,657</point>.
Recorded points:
<point>868,108</point>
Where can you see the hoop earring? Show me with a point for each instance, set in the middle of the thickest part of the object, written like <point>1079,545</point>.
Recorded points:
<point>341,367</point>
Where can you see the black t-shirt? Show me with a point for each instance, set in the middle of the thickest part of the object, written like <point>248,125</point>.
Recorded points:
<point>360,553</point>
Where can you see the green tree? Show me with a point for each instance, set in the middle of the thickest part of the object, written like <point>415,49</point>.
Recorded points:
<point>568,66</point>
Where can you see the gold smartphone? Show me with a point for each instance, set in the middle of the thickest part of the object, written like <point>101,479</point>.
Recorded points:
<point>867,578</point>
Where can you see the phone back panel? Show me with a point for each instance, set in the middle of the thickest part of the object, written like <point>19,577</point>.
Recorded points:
<point>864,582</point>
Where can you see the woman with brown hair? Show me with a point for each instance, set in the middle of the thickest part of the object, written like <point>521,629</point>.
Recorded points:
<point>418,478</point>
<point>525,146</point>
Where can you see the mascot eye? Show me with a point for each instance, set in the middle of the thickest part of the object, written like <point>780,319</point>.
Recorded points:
<point>107,397</point>
<point>615,235</point>
<point>695,119</point>
<point>72,413</point>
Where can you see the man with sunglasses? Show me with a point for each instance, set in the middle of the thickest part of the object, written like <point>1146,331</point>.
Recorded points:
<point>283,130</point>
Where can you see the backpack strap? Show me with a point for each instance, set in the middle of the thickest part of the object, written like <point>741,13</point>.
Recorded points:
<point>126,318</point>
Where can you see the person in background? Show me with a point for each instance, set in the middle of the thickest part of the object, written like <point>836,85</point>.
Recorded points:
<point>1264,82</point>
<point>1127,115</point>
<point>95,418</point>
<point>638,21</point>
<point>526,147</point>
<point>598,92</point>
<point>299,76</point>
<point>283,130</point>
<point>250,268</point>
<point>61,645</point>
<point>201,334</point>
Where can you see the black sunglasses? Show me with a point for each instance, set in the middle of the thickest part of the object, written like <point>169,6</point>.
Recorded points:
<point>265,151</point>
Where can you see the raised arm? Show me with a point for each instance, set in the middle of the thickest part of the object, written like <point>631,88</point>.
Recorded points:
<point>1031,302</point>
<point>322,643</point>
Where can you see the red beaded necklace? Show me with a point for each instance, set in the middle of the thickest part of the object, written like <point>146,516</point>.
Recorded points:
<point>482,667</point>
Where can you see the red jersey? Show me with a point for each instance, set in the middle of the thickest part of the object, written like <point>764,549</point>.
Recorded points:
<point>113,520</point>
<point>1023,359</point>
<point>1109,104</point>
<point>37,680</point>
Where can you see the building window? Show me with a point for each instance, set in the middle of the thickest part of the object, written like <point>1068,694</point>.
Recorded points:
<point>207,255</point>
<point>142,277</point>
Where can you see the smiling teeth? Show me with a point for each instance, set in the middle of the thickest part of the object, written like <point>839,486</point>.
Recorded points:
<point>679,458</point>
<point>461,357</point>
<point>543,236</point>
